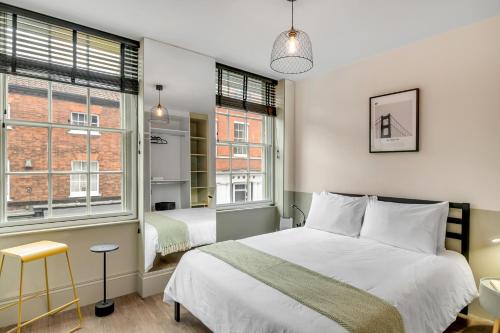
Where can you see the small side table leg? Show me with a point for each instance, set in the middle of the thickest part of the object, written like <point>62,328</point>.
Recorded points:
<point>496,326</point>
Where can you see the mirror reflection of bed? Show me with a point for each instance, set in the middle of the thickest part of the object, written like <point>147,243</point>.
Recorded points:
<point>180,194</point>
<point>170,233</point>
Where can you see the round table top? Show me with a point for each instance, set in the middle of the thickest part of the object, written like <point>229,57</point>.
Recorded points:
<point>100,248</point>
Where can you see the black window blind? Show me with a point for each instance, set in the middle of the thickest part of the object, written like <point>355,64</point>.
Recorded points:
<point>44,47</point>
<point>242,90</point>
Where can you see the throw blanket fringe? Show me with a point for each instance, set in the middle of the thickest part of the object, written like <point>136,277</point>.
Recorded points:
<point>354,309</point>
<point>173,235</point>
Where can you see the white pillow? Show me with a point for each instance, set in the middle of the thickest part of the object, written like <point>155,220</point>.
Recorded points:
<point>336,213</point>
<point>442,228</point>
<point>408,226</point>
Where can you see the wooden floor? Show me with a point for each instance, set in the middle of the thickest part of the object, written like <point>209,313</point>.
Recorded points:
<point>132,314</point>
<point>150,315</point>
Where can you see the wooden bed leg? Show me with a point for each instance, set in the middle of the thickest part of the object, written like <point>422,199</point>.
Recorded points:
<point>496,326</point>
<point>177,312</point>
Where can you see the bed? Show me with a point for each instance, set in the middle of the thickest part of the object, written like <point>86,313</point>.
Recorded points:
<point>427,290</point>
<point>201,227</point>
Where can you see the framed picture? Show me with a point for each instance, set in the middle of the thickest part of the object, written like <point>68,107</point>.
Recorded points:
<point>394,122</point>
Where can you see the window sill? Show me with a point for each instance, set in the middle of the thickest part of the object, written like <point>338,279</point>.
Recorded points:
<point>83,195</point>
<point>46,226</point>
<point>82,132</point>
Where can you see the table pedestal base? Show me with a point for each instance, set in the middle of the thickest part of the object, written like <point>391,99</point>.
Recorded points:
<point>104,308</point>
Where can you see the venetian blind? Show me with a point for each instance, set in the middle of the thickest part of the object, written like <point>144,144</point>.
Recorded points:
<point>40,46</point>
<point>242,90</point>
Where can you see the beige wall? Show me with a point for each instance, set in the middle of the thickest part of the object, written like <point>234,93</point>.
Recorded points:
<point>87,267</point>
<point>459,77</point>
<point>458,74</point>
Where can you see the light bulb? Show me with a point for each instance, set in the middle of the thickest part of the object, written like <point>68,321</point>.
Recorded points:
<point>159,111</point>
<point>292,44</point>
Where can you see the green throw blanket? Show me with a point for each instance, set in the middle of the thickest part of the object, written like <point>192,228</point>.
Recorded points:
<point>173,235</point>
<point>354,309</point>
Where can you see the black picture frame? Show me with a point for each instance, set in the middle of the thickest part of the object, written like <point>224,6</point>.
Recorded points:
<point>416,119</point>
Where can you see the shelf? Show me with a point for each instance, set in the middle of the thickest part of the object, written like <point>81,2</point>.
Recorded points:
<point>168,181</point>
<point>198,138</point>
<point>200,171</point>
<point>198,187</point>
<point>200,155</point>
<point>169,131</point>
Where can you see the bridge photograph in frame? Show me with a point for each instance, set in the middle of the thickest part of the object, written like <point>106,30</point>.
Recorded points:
<point>394,122</point>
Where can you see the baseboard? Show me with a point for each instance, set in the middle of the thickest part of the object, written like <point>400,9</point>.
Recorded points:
<point>152,283</point>
<point>89,292</point>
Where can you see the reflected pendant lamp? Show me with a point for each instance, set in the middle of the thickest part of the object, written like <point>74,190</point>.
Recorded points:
<point>159,112</point>
<point>292,51</point>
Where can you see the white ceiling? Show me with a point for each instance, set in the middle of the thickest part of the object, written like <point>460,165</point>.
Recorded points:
<point>241,33</point>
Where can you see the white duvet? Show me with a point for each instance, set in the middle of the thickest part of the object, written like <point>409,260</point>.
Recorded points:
<point>201,223</point>
<point>427,290</point>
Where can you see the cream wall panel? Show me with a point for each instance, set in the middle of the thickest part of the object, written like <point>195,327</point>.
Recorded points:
<point>87,267</point>
<point>459,76</point>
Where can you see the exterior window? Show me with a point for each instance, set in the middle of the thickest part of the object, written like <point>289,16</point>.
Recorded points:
<point>53,175</point>
<point>240,135</point>
<point>80,119</point>
<point>244,157</point>
<point>78,182</point>
<point>240,192</point>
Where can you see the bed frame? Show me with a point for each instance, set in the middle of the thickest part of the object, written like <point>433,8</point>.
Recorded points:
<point>463,236</point>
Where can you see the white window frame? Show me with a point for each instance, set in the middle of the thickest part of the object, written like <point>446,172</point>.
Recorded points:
<point>129,159</point>
<point>94,178</point>
<point>244,139</point>
<point>78,123</point>
<point>268,174</point>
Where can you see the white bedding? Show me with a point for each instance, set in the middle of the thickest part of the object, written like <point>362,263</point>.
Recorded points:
<point>428,290</point>
<point>201,223</point>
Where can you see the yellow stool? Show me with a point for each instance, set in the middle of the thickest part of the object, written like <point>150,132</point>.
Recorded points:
<point>31,252</point>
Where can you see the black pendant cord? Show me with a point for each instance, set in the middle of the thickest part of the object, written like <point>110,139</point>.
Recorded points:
<point>292,13</point>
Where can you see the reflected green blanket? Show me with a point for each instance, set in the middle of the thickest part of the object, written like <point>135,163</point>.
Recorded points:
<point>354,309</point>
<point>173,235</point>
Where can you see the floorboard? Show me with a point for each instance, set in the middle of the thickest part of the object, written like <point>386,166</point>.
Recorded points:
<point>150,315</point>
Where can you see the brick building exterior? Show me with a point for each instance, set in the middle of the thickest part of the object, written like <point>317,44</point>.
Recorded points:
<point>28,147</point>
<point>239,171</point>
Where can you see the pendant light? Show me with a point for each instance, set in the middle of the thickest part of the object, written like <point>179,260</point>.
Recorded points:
<point>159,112</point>
<point>292,51</point>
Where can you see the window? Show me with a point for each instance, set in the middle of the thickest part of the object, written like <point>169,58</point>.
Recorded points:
<point>240,192</point>
<point>78,182</point>
<point>244,157</point>
<point>80,119</point>
<point>240,135</point>
<point>53,175</point>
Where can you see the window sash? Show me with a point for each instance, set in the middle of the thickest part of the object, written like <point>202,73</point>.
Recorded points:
<point>267,149</point>
<point>127,192</point>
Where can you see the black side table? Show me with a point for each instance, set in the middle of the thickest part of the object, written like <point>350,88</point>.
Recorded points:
<point>106,306</point>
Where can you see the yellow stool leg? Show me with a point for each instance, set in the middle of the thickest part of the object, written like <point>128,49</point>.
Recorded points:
<point>19,306</point>
<point>75,294</point>
<point>1,264</point>
<point>47,284</point>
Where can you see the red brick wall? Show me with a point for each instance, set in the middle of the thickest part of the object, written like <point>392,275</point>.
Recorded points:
<point>32,144</point>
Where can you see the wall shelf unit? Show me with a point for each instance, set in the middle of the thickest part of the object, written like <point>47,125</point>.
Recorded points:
<point>199,164</point>
<point>169,176</point>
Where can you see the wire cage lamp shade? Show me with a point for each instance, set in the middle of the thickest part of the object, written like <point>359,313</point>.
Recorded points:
<point>292,51</point>
<point>159,112</point>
